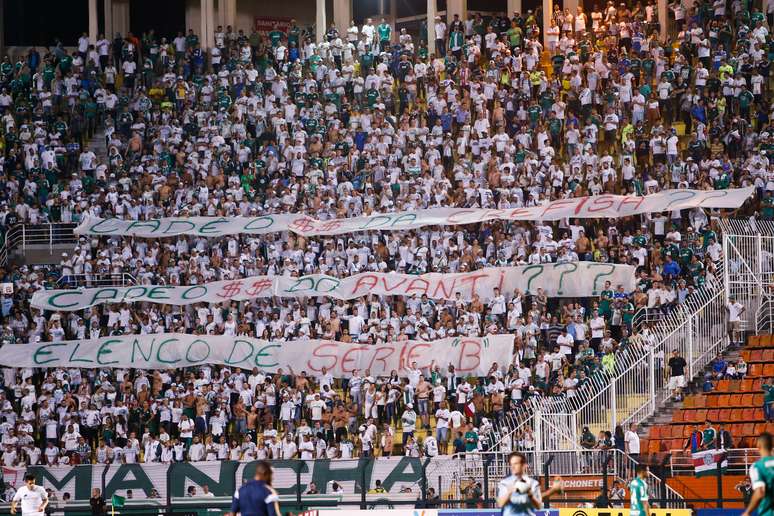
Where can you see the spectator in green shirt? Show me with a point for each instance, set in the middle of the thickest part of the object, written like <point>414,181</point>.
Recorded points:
<point>384,31</point>
<point>275,35</point>
<point>471,439</point>
<point>708,436</point>
<point>768,401</point>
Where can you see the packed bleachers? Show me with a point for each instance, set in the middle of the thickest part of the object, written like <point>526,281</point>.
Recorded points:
<point>367,122</point>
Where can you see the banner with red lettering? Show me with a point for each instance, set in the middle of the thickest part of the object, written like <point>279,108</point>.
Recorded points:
<point>568,279</point>
<point>600,206</point>
<point>469,355</point>
<point>266,24</point>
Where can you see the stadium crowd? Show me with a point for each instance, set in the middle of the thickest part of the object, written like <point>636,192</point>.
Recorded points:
<point>365,122</point>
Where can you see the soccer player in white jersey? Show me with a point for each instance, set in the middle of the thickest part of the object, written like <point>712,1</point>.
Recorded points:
<point>33,498</point>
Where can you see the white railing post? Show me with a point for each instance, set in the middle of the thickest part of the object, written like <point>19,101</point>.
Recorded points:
<point>689,329</point>
<point>652,379</point>
<point>24,236</point>
<point>771,323</point>
<point>726,257</point>
<point>538,436</point>
<point>574,433</point>
<point>759,250</point>
<point>613,403</point>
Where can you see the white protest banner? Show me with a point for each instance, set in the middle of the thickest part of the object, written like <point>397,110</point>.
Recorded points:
<point>469,355</point>
<point>572,279</point>
<point>600,206</point>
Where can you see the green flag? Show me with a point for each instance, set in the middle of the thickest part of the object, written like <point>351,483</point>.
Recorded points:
<point>117,501</point>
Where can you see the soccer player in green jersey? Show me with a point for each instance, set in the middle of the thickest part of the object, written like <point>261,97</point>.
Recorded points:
<point>639,491</point>
<point>762,478</point>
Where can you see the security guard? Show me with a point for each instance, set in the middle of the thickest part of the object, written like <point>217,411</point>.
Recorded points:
<point>256,497</point>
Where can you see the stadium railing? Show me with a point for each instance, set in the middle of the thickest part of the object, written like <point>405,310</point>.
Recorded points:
<point>22,236</point>
<point>636,385</point>
<point>123,279</point>
<point>600,465</point>
<point>739,461</point>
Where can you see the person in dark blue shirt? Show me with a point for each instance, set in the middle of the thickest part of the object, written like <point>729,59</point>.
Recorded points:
<point>257,497</point>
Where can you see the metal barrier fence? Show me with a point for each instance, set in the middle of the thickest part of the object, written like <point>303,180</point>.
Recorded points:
<point>739,461</point>
<point>24,235</point>
<point>764,316</point>
<point>645,317</point>
<point>96,280</point>
<point>638,383</point>
<point>604,464</point>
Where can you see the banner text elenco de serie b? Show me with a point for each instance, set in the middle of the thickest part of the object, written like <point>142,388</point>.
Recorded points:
<point>600,206</point>
<point>469,355</point>
<point>567,279</point>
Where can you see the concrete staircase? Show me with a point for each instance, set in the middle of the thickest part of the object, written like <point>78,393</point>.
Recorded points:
<point>98,145</point>
<point>664,414</point>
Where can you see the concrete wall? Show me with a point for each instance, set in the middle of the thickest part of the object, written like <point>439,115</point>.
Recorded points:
<point>302,10</point>
<point>193,16</point>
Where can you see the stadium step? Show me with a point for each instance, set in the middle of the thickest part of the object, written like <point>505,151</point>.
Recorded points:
<point>736,402</point>
<point>707,487</point>
<point>672,425</point>
<point>98,145</point>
